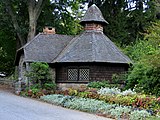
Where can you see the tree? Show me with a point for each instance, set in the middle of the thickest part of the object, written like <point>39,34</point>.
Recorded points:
<point>63,15</point>
<point>127,18</point>
<point>21,20</point>
<point>145,73</point>
<point>7,42</point>
<point>34,10</point>
<point>25,15</point>
<point>114,12</point>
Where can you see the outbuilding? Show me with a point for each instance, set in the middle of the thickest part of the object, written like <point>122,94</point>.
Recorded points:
<point>90,56</point>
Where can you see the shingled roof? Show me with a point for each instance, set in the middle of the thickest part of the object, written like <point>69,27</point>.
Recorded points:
<point>44,47</point>
<point>93,14</point>
<point>92,46</point>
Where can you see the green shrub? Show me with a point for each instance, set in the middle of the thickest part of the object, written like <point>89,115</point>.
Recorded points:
<point>119,78</point>
<point>145,76</point>
<point>83,94</point>
<point>39,73</point>
<point>49,86</point>
<point>98,84</point>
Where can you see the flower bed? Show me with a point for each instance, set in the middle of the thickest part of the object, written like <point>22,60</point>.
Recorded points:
<point>109,96</point>
<point>97,107</point>
<point>116,96</point>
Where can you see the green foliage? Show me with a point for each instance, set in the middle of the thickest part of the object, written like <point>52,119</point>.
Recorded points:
<point>39,73</point>
<point>7,46</point>
<point>127,19</point>
<point>119,78</point>
<point>50,86</point>
<point>65,18</point>
<point>145,74</point>
<point>98,84</point>
<point>139,115</point>
<point>116,96</point>
<point>153,118</point>
<point>40,79</point>
<point>103,84</point>
<point>139,50</point>
<point>35,86</point>
<point>96,106</point>
<point>83,94</point>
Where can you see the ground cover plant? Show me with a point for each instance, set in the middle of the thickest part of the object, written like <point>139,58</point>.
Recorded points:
<point>109,102</point>
<point>116,96</point>
<point>98,107</point>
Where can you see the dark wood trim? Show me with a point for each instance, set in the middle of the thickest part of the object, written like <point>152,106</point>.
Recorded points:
<point>72,81</point>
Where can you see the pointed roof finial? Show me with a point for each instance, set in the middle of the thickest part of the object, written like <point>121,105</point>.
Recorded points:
<point>93,14</point>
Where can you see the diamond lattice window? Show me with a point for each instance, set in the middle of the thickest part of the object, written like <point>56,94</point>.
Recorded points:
<point>73,74</point>
<point>78,74</point>
<point>83,74</point>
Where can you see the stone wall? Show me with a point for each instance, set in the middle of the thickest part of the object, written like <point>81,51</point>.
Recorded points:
<point>6,81</point>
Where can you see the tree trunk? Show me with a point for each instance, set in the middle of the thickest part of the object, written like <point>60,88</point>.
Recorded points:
<point>32,28</point>
<point>34,9</point>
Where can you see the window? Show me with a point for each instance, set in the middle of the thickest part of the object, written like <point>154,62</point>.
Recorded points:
<point>72,74</point>
<point>78,74</point>
<point>83,74</point>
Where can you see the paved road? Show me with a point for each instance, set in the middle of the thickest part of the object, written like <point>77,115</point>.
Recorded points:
<point>13,107</point>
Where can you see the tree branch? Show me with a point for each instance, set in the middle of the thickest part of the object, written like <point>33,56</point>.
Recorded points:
<point>15,23</point>
<point>39,8</point>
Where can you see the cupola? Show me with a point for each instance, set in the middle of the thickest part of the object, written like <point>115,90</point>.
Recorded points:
<point>93,19</point>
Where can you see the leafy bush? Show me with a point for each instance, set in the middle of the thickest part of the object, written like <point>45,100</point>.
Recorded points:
<point>40,79</point>
<point>145,75</point>
<point>49,86</point>
<point>83,94</point>
<point>39,73</point>
<point>98,84</point>
<point>119,78</point>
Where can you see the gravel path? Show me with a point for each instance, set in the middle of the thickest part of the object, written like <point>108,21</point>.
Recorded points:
<point>13,107</point>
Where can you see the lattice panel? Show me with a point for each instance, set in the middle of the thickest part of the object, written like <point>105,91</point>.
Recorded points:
<point>83,74</point>
<point>73,74</point>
